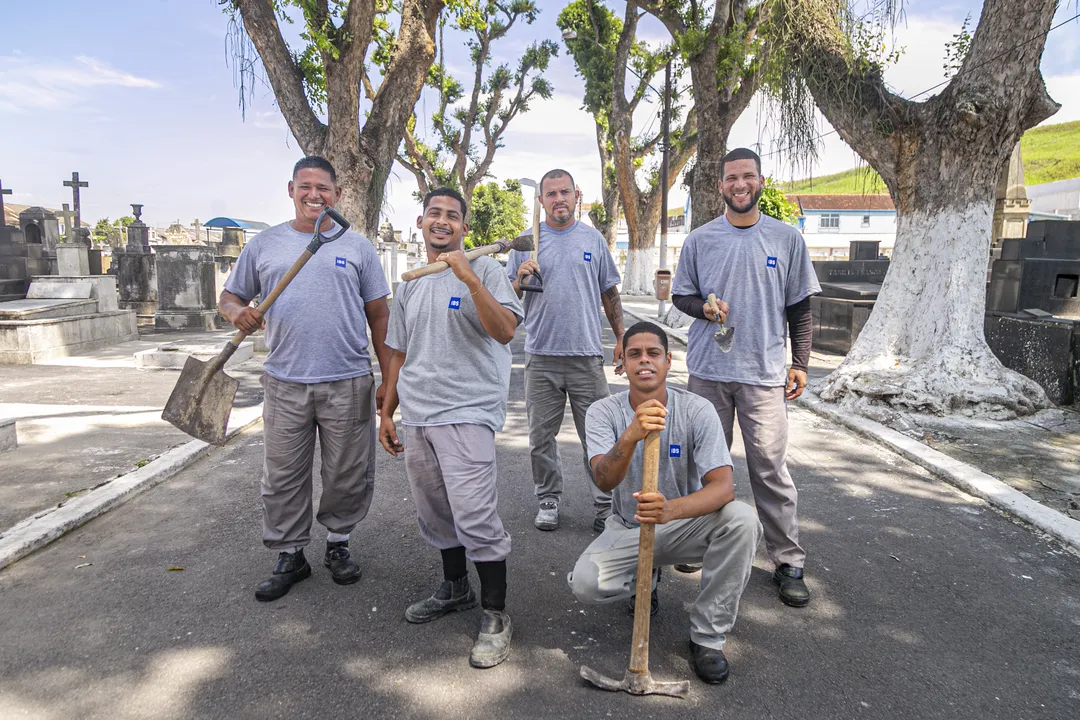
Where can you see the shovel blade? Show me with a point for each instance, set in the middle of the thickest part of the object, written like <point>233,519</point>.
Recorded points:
<point>724,337</point>
<point>202,400</point>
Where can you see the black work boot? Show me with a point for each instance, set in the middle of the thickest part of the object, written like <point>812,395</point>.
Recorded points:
<point>654,598</point>
<point>793,589</point>
<point>492,644</point>
<point>342,566</point>
<point>452,595</point>
<point>291,568</point>
<point>709,663</point>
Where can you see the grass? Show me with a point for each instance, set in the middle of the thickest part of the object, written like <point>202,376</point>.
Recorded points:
<point>1050,153</point>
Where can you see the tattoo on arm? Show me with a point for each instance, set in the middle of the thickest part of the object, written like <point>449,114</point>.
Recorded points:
<point>612,302</point>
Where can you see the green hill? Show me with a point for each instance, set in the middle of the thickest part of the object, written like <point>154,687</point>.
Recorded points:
<point>1050,153</point>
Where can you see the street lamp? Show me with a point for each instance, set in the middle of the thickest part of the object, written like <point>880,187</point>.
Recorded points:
<point>661,309</point>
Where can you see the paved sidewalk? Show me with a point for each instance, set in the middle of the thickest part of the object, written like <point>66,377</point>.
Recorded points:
<point>927,603</point>
<point>86,419</point>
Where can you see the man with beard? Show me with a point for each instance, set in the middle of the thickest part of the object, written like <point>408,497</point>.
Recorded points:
<point>564,355</point>
<point>697,517</point>
<point>450,369</point>
<point>318,377</point>
<point>759,267</point>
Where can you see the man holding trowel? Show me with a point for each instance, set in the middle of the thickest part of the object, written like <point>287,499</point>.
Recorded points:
<point>318,377</point>
<point>759,268</point>
<point>450,369</point>
<point>694,509</point>
<point>564,354</point>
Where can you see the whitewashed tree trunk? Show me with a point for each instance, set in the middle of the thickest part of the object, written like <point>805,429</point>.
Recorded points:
<point>638,274</point>
<point>923,347</point>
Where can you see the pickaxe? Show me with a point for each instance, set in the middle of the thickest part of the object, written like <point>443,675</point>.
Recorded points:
<point>533,282</point>
<point>637,680</point>
<point>522,243</point>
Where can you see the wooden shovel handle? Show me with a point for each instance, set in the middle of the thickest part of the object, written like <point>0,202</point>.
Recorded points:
<point>715,306</point>
<point>438,267</point>
<point>639,651</point>
<point>266,302</point>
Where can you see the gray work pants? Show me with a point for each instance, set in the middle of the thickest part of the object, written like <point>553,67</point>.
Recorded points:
<point>549,381</point>
<point>763,420</point>
<point>724,541</point>
<point>343,414</point>
<point>452,474</point>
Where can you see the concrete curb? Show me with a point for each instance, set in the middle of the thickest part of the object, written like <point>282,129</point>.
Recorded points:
<point>667,330</point>
<point>969,479</point>
<point>40,530</point>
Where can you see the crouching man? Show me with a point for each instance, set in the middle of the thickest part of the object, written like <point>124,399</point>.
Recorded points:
<point>698,519</point>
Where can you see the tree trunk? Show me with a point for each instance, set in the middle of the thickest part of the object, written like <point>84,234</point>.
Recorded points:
<point>923,347</point>
<point>640,263</point>
<point>608,225</point>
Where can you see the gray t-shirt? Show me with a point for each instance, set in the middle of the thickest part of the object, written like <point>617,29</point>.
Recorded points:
<point>576,266</point>
<point>454,372</point>
<point>691,444</point>
<point>758,271</point>
<point>316,330</point>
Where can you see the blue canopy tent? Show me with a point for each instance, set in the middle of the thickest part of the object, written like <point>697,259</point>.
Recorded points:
<point>227,222</point>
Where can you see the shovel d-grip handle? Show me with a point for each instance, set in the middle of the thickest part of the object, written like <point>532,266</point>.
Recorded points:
<point>317,241</point>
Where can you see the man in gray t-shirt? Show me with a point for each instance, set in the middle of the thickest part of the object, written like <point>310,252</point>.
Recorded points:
<point>761,272</point>
<point>318,376</point>
<point>564,355</point>
<point>450,370</point>
<point>697,517</point>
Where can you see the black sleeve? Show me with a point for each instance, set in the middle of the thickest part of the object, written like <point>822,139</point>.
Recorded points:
<point>801,329</point>
<point>691,305</point>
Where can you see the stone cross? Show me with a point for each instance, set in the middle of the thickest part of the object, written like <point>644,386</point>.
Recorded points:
<point>3,191</point>
<point>74,184</point>
<point>67,215</point>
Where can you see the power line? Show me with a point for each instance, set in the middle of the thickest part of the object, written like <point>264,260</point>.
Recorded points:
<point>946,82</point>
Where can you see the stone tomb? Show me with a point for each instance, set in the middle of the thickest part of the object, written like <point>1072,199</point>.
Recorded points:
<point>849,289</point>
<point>63,316</point>
<point>19,261</point>
<point>185,288</point>
<point>1033,307</point>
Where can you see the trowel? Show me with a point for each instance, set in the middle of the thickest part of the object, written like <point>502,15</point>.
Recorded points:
<point>725,334</point>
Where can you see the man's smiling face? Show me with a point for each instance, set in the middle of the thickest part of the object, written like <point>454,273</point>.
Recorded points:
<point>312,191</point>
<point>741,185</point>
<point>442,224</point>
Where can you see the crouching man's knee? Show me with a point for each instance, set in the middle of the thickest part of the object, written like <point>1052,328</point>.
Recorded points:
<point>584,582</point>
<point>739,520</point>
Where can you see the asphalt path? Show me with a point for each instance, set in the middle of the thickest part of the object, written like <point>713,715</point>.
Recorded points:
<point>926,604</point>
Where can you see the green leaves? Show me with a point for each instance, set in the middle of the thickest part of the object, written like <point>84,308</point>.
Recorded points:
<point>774,203</point>
<point>496,212</point>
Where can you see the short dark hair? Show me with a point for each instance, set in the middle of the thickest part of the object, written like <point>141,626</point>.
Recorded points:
<point>645,327</point>
<point>740,154</point>
<point>446,192</point>
<point>556,173</point>
<point>315,162</point>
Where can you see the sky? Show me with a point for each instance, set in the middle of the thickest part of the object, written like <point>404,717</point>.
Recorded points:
<point>138,97</point>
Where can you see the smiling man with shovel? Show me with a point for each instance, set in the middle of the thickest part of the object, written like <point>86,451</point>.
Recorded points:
<point>760,268</point>
<point>694,511</point>
<point>450,369</point>
<point>318,376</point>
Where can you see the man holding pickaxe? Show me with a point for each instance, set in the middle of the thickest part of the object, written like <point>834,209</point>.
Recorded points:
<point>694,509</point>
<point>318,377</point>
<point>564,355</point>
<point>760,269</point>
<point>450,370</point>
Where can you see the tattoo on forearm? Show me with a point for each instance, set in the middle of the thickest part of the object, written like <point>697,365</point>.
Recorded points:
<point>612,302</point>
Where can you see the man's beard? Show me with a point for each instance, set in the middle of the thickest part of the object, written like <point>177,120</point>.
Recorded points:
<point>729,200</point>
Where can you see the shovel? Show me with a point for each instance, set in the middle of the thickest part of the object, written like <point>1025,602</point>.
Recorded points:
<point>534,282</point>
<point>522,243</point>
<point>725,335</point>
<point>203,397</point>
<point>637,680</point>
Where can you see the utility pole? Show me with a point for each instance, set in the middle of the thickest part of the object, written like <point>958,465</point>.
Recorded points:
<point>661,309</point>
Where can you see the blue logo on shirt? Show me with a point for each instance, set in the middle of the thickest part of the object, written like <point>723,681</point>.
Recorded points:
<point>455,303</point>
<point>588,257</point>
<point>770,261</point>
<point>674,451</point>
<point>339,261</point>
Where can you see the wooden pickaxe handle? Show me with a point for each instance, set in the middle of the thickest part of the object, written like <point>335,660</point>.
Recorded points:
<point>650,472</point>
<point>437,267</point>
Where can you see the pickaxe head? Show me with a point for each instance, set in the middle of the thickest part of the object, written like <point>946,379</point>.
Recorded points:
<point>636,683</point>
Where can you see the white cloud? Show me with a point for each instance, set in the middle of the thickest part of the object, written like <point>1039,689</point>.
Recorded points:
<point>1066,90</point>
<point>29,85</point>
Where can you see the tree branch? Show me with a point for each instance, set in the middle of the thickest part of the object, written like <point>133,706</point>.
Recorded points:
<point>285,77</point>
